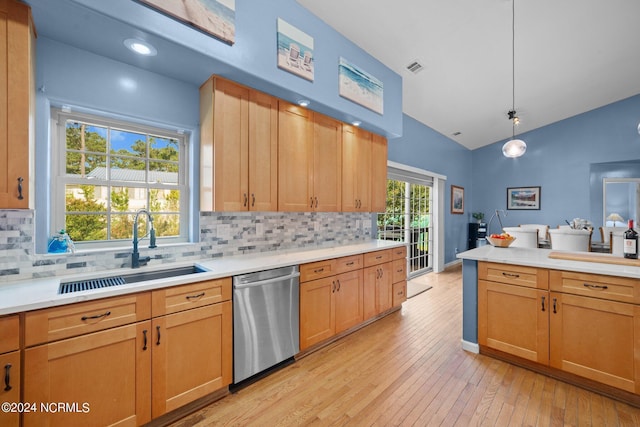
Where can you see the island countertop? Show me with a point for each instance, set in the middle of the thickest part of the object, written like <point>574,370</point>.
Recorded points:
<point>540,258</point>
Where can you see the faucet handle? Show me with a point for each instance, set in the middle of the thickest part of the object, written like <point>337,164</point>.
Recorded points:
<point>152,238</point>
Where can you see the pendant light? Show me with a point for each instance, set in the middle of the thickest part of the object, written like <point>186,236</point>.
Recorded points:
<point>514,147</point>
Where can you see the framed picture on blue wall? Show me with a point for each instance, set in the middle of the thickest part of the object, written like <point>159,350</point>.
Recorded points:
<point>457,199</point>
<point>523,198</point>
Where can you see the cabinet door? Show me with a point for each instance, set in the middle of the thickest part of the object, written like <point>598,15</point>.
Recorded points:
<point>378,173</point>
<point>327,164</point>
<point>596,339</point>
<point>348,300</point>
<point>369,291</point>
<point>317,311</point>
<point>263,152</point>
<point>363,170</point>
<point>350,201</point>
<point>105,374</point>
<point>10,388</point>
<point>224,146</point>
<point>17,48</point>
<point>514,319</point>
<point>295,158</point>
<point>192,355</point>
<point>384,288</point>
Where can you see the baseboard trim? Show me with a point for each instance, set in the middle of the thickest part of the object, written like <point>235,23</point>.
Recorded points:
<point>471,347</point>
<point>453,263</point>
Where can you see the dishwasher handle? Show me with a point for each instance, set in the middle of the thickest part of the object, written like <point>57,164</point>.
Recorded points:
<point>266,282</point>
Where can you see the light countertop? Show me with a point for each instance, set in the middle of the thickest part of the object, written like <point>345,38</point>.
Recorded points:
<point>540,258</point>
<point>35,294</point>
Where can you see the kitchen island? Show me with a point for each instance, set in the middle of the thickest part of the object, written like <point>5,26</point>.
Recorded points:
<point>570,315</point>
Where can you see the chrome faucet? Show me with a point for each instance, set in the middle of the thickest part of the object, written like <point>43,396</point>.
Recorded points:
<point>136,261</point>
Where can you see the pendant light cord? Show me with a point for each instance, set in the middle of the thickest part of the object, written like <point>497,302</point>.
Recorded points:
<point>513,67</point>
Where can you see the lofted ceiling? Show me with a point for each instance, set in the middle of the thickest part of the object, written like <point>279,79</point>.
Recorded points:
<point>571,56</point>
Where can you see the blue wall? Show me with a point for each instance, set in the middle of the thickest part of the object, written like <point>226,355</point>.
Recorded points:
<point>422,147</point>
<point>558,159</point>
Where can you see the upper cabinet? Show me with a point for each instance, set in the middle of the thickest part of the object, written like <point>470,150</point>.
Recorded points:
<point>309,160</point>
<point>238,148</point>
<point>17,101</point>
<point>259,153</point>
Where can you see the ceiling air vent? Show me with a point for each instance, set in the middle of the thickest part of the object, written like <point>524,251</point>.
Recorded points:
<point>415,66</point>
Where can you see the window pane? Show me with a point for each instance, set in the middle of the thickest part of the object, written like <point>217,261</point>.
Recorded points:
<point>86,227</point>
<point>163,172</point>
<point>86,198</point>
<point>85,137</point>
<point>122,226</point>
<point>128,199</point>
<point>164,200</point>
<point>128,169</point>
<point>163,148</point>
<point>89,165</point>
<point>128,143</point>
<point>166,225</point>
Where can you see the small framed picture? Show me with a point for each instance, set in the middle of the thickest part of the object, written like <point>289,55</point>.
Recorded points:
<point>457,199</point>
<point>523,198</point>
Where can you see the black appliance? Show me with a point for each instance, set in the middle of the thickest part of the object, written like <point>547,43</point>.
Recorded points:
<point>477,234</point>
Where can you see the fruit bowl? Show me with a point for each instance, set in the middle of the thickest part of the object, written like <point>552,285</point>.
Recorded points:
<point>501,242</point>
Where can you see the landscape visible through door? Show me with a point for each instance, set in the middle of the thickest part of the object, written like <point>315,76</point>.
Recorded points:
<point>408,219</point>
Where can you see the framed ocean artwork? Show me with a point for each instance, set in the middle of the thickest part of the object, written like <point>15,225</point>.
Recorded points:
<point>295,50</point>
<point>522,198</point>
<point>360,87</point>
<point>215,17</point>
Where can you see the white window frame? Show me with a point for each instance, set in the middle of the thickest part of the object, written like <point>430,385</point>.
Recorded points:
<point>60,179</point>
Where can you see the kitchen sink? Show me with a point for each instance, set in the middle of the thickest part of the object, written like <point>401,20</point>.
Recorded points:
<point>124,279</point>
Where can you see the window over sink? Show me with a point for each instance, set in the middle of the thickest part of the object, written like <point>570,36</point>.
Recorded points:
<point>104,170</point>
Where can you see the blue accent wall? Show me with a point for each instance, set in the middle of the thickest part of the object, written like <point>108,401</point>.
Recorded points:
<point>559,159</point>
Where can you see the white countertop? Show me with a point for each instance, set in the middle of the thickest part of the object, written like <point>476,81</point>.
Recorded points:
<point>540,258</point>
<point>35,294</point>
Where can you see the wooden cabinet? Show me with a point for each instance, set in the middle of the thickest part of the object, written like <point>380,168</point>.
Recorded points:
<point>331,302</point>
<point>399,275</point>
<point>238,148</point>
<point>356,169</point>
<point>378,276</point>
<point>9,368</point>
<point>378,173</point>
<point>17,104</point>
<point>594,328</point>
<point>309,160</point>
<point>513,310</point>
<point>129,359</point>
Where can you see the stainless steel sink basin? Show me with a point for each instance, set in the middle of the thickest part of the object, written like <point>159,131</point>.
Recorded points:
<point>142,276</point>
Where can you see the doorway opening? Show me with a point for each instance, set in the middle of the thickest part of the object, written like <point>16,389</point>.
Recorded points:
<point>408,219</point>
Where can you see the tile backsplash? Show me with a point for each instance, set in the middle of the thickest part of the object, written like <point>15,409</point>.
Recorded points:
<point>221,234</point>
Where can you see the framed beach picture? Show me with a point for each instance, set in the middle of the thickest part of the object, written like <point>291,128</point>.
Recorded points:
<point>457,199</point>
<point>295,50</point>
<point>523,198</point>
<point>215,17</point>
<point>360,87</point>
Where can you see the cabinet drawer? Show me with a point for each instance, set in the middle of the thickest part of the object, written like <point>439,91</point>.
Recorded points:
<point>529,277</point>
<point>377,257</point>
<point>593,285</point>
<point>53,324</point>
<point>193,295</point>
<point>9,333</point>
<point>317,270</point>
<point>399,272</point>
<point>400,252</point>
<point>399,293</point>
<point>348,263</point>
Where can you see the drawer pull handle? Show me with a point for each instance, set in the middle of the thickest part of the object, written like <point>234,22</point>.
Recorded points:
<point>7,377</point>
<point>201,294</point>
<point>510,275</point>
<point>144,337</point>
<point>588,285</point>
<point>158,330</point>
<point>338,285</point>
<point>318,270</point>
<point>379,257</point>
<point>399,271</point>
<point>20,179</point>
<point>97,316</point>
<point>542,303</point>
<point>350,263</point>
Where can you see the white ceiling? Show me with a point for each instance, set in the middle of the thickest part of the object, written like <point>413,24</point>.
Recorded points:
<point>571,56</point>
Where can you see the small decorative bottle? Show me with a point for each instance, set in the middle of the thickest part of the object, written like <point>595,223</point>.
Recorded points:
<point>631,242</point>
<point>60,243</point>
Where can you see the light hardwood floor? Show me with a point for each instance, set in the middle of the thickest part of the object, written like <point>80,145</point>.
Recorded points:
<point>409,369</point>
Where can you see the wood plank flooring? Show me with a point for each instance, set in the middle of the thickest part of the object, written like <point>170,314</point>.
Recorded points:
<point>408,369</point>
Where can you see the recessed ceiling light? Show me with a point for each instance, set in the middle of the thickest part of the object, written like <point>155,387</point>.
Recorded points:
<point>356,123</point>
<point>140,47</point>
<point>304,102</point>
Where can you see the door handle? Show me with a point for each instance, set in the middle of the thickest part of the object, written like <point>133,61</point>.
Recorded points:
<point>20,180</point>
<point>555,302</point>
<point>158,330</point>
<point>144,338</point>
<point>7,377</point>
<point>542,303</point>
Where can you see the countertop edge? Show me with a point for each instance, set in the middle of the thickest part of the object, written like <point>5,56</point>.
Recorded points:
<point>34,294</point>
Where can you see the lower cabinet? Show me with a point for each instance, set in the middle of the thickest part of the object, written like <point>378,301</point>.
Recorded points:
<point>10,387</point>
<point>101,378</point>
<point>582,324</point>
<point>126,375</point>
<point>378,289</point>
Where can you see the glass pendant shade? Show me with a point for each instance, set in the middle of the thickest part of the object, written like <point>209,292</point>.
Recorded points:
<point>514,148</point>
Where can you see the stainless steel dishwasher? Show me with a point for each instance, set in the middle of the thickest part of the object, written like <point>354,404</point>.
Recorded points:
<point>265,320</point>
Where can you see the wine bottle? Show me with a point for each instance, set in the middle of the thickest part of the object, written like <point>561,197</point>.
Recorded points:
<point>631,242</point>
